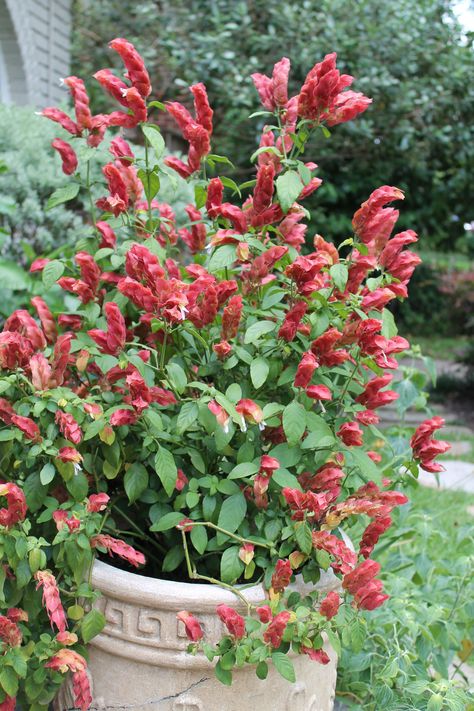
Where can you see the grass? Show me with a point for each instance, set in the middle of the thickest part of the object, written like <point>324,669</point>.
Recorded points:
<point>448,508</point>
<point>441,347</point>
<point>458,437</point>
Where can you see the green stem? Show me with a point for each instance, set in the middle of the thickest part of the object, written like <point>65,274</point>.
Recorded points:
<point>91,201</point>
<point>231,535</point>
<point>139,530</point>
<point>348,382</point>
<point>148,186</point>
<point>194,575</point>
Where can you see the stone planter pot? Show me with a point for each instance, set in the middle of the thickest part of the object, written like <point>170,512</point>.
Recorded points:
<point>139,661</point>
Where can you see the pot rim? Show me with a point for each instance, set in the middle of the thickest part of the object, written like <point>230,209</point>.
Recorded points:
<point>122,585</point>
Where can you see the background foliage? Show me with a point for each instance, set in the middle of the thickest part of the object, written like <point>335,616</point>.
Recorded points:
<point>410,57</point>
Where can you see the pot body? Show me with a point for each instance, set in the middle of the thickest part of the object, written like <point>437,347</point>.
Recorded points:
<point>139,661</point>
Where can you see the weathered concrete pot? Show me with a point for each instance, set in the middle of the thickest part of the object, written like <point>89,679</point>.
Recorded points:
<point>139,661</point>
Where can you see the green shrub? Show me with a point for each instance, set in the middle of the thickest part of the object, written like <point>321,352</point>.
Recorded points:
<point>29,178</point>
<point>415,649</point>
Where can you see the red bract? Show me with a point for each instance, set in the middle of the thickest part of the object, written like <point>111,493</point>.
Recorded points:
<point>21,322</point>
<point>321,97</point>
<point>67,660</point>
<point>345,557</point>
<point>373,223</point>
<point>330,605</point>
<point>306,368</point>
<point>362,584</point>
<point>46,317</point>
<point>273,635</point>
<point>68,426</point>
<point>196,131</point>
<point>324,348</point>
<point>63,119</point>
<point>51,599</point>
<point>273,91</point>
<point>98,502</point>
<point>425,448</point>
<point>112,341</point>
<point>16,505</point>
<point>120,548</point>
<point>372,534</point>
<point>29,428</point>
<point>68,155</point>
<point>117,201</point>
<point>317,655</point>
<point>250,412</point>
<point>293,318</point>
<point>81,101</point>
<point>234,622</point>
<point>191,625</point>
<point>373,396</point>
<point>319,392</point>
<point>136,71</point>
<point>282,576</point>
<point>81,689</point>
<point>351,434</point>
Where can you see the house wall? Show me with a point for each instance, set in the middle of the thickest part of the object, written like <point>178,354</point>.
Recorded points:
<point>34,50</point>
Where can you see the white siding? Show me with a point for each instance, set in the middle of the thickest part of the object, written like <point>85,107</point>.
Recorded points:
<point>35,43</point>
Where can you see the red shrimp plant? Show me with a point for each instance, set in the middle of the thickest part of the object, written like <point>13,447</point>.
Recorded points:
<point>204,405</point>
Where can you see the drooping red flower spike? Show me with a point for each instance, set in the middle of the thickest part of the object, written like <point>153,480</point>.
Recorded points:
<point>193,628</point>
<point>113,340</point>
<point>68,155</point>
<point>425,448</point>
<point>16,505</point>
<point>51,599</point>
<point>120,548</point>
<point>136,70</point>
<point>234,622</point>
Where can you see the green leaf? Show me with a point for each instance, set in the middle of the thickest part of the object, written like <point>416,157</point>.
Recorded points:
<point>47,473</point>
<point>259,369</point>
<point>198,537</point>
<point>262,670</point>
<point>389,327</point>
<point>173,558</point>
<point>223,675</point>
<point>177,377</point>
<point>243,470</point>
<point>319,433</point>
<point>283,477</point>
<point>231,565</point>
<point>165,467</point>
<point>186,416</point>
<point>92,624</point>
<point>222,257</point>
<point>289,187</point>
<point>169,520</point>
<point>232,512</point>
<point>9,681</point>
<point>69,192</point>
<point>257,330</point>
<point>52,272</point>
<point>408,394</point>
<point>78,486</point>
<point>339,274</point>
<point>155,139</point>
<point>294,422</point>
<point>364,463</point>
<point>303,538</point>
<point>151,182</point>
<point>135,481</point>
<point>435,703</point>
<point>284,666</point>
<point>13,277</point>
